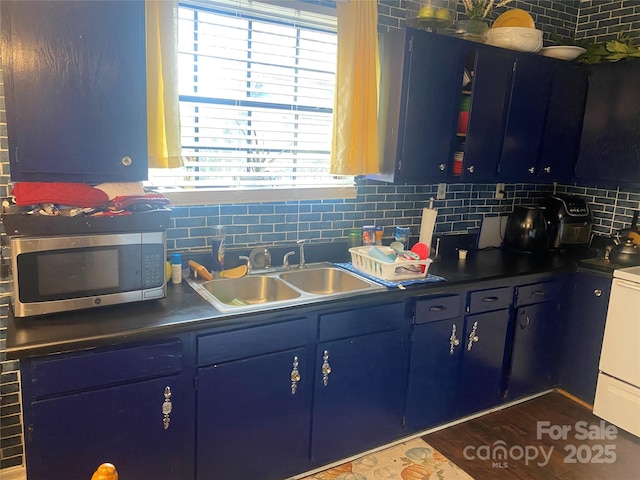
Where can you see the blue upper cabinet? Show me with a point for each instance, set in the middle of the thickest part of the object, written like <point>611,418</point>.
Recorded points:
<point>491,70</point>
<point>610,142</point>
<point>563,124</point>
<point>527,110</point>
<point>421,75</point>
<point>75,88</point>
<point>444,99</point>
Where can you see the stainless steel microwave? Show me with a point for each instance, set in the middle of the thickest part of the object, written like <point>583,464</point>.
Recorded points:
<point>57,274</point>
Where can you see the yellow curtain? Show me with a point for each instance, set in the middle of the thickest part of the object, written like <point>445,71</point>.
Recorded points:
<point>163,114</point>
<point>354,149</point>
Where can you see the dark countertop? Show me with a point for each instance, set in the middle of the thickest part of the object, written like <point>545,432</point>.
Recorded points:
<point>183,310</point>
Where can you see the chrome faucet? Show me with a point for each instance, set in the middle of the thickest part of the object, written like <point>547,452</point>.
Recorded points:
<point>243,257</point>
<point>302,263</point>
<point>285,260</point>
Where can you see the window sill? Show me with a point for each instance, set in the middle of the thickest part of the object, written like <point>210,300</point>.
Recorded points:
<point>217,197</point>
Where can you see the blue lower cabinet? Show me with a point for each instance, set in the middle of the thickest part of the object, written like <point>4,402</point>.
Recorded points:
<point>251,422</point>
<point>456,365</point>
<point>69,436</point>
<point>586,316</point>
<point>481,375</point>
<point>436,357</point>
<point>128,406</point>
<point>536,349</point>
<point>359,381</point>
<point>253,402</point>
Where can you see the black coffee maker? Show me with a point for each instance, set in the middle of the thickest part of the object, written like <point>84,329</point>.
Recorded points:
<point>530,229</point>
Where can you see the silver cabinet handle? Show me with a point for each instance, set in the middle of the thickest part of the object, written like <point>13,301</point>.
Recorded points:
<point>597,292</point>
<point>437,308</point>
<point>531,170</point>
<point>547,169</point>
<point>442,167</point>
<point>326,368</point>
<point>166,408</point>
<point>489,299</point>
<point>126,161</point>
<point>527,321</point>
<point>538,293</point>
<point>453,340</point>
<point>472,336</point>
<point>295,376</point>
<point>471,169</point>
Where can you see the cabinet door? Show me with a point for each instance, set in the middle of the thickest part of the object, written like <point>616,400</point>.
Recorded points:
<point>69,436</point>
<point>490,94</point>
<point>432,391</point>
<point>358,405</point>
<point>587,313</point>
<point>421,75</point>
<point>525,118</point>
<point>75,90</point>
<point>610,145</point>
<point>561,136</point>
<point>481,379</point>
<point>535,354</point>
<point>251,422</point>
<point>432,101</point>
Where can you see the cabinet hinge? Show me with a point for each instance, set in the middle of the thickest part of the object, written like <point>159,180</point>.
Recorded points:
<point>410,44</point>
<point>404,421</point>
<point>196,381</point>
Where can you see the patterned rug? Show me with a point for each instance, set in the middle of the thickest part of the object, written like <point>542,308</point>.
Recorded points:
<point>412,460</point>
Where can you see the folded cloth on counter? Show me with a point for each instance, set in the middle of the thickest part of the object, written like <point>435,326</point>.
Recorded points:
<point>130,201</point>
<point>59,193</point>
<point>121,189</point>
<point>387,283</point>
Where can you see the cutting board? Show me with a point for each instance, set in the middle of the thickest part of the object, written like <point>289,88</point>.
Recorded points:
<point>492,232</point>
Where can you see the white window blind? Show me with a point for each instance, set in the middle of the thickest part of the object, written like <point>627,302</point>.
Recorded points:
<point>256,86</point>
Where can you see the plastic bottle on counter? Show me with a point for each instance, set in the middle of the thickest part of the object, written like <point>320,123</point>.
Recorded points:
<point>379,233</point>
<point>355,237</point>
<point>368,235</point>
<point>402,236</point>
<point>176,268</point>
<point>217,248</point>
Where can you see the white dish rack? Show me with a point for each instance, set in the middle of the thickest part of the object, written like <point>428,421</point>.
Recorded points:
<point>390,271</point>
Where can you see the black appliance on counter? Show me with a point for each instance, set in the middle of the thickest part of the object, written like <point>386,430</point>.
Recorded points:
<point>572,218</point>
<point>529,229</point>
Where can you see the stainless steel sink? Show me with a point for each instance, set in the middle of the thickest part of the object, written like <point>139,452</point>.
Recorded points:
<point>250,290</point>
<point>320,281</point>
<point>325,281</point>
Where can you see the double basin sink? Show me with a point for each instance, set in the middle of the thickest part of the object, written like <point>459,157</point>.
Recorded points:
<point>268,289</point>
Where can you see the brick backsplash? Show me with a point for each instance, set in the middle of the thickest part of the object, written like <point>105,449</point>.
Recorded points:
<point>10,409</point>
<point>376,203</point>
<point>606,20</point>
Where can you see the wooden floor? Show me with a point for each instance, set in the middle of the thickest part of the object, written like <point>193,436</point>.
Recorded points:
<point>471,445</point>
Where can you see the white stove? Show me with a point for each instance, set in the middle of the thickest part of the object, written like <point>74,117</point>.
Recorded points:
<point>618,391</point>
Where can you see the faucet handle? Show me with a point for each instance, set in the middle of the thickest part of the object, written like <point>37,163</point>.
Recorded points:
<point>302,241</point>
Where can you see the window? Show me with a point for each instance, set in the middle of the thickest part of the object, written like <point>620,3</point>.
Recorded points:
<point>256,98</point>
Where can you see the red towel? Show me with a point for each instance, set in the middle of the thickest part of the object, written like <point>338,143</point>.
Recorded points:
<point>68,194</point>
